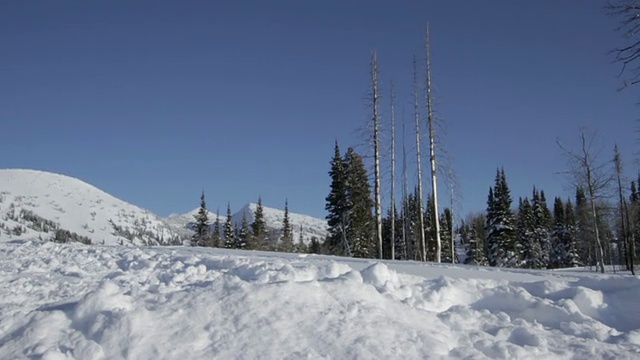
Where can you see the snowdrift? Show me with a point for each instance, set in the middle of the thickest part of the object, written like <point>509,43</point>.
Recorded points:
<point>109,302</point>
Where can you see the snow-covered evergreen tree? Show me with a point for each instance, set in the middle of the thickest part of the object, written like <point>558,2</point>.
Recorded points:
<point>531,251</point>
<point>244,234</point>
<point>360,229</point>
<point>503,250</point>
<point>558,236</point>
<point>201,235</point>
<point>229,238</point>
<point>445,236</point>
<point>259,228</point>
<point>571,257</point>
<point>337,207</point>
<point>286,241</point>
<point>216,239</point>
<point>541,220</point>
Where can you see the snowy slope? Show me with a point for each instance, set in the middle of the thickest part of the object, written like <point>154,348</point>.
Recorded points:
<point>311,227</point>
<point>74,206</point>
<point>99,302</point>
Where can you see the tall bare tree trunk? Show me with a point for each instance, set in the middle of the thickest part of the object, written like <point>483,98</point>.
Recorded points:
<point>393,176</point>
<point>376,146</point>
<point>419,158</point>
<point>453,241</point>
<point>624,212</point>
<point>405,191</point>
<point>432,149</point>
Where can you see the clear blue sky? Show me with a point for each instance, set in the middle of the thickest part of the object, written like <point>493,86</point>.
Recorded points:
<point>153,101</point>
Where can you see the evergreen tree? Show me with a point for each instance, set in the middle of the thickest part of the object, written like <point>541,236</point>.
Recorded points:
<point>586,243</point>
<point>503,250</point>
<point>229,238</point>
<point>286,242</point>
<point>360,230</point>
<point>315,247</point>
<point>259,228</point>
<point>215,238</point>
<point>301,247</point>
<point>541,220</point>
<point>201,236</point>
<point>476,251</point>
<point>559,235</point>
<point>571,257</point>
<point>445,235</point>
<point>244,235</point>
<point>337,206</point>
<point>531,251</point>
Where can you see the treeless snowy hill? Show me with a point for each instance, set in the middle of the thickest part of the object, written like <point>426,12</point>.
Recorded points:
<point>40,203</point>
<point>71,301</point>
<point>308,226</point>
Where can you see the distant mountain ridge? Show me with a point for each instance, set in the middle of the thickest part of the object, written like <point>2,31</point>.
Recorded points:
<point>310,227</point>
<point>49,205</point>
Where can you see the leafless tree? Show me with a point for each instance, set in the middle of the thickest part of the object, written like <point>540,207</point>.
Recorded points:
<point>421,235</point>
<point>584,169</point>
<point>376,145</point>
<point>628,14</point>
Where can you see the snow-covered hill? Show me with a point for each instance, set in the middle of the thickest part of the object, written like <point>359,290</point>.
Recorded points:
<point>70,301</point>
<point>309,226</point>
<point>45,204</point>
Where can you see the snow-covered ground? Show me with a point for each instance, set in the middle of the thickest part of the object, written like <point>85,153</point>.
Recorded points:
<point>74,206</point>
<point>110,302</point>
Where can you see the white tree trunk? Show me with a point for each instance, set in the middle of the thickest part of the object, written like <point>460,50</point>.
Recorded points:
<point>432,150</point>
<point>419,158</point>
<point>376,146</point>
<point>393,177</point>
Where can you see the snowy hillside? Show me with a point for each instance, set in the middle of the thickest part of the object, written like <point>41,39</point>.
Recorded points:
<point>70,301</point>
<point>45,204</point>
<point>311,227</point>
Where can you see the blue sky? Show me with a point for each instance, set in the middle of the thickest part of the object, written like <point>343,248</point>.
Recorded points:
<point>153,101</point>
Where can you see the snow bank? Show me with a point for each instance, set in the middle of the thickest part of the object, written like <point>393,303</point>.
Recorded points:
<point>98,302</point>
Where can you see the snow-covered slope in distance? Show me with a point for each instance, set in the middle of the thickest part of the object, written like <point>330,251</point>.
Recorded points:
<point>73,205</point>
<point>311,227</point>
<point>70,301</point>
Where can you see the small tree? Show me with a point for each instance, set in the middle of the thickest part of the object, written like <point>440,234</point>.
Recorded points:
<point>229,238</point>
<point>259,227</point>
<point>201,236</point>
<point>286,241</point>
<point>244,234</point>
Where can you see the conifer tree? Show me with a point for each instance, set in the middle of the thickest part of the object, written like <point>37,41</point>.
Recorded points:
<point>503,250</point>
<point>244,234</point>
<point>527,235</point>
<point>337,206</point>
<point>558,236</point>
<point>259,227</point>
<point>301,247</point>
<point>229,238</point>
<point>286,242</point>
<point>541,219</point>
<point>201,236</point>
<point>445,235</point>
<point>571,257</point>
<point>216,238</point>
<point>360,230</point>
<point>476,252</point>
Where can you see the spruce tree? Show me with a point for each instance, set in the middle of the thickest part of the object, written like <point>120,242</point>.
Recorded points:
<point>541,219</point>
<point>244,235</point>
<point>337,206</point>
<point>301,247</point>
<point>586,243</point>
<point>503,250</point>
<point>229,238</point>
<point>286,242</point>
<point>215,238</point>
<point>527,235</point>
<point>445,235</point>
<point>559,235</point>
<point>571,256</point>
<point>201,236</point>
<point>259,227</point>
<point>360,231</point>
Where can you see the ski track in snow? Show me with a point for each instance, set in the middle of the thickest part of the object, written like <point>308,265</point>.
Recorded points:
<point>109,302</point>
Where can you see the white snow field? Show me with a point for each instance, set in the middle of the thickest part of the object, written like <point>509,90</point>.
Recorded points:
<point>73,301</point>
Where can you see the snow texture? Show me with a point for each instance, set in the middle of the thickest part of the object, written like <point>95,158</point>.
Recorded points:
<point>77,207</point>
<point>72,301</point>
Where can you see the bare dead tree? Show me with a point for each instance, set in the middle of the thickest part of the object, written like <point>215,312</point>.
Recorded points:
<point>421,235</point>
<point>624,212</point>
<point>586,170</point>
<point>376,145</point>
<point>393,176</point>
<point>432,148</point>
<point>628,14</point>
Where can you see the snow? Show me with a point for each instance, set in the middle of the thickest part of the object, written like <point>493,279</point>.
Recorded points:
<point>77,207</point>
<point>72,301</point>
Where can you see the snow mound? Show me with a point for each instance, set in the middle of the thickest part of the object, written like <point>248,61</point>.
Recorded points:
<point>44,204</point>
<point>70,301</point>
